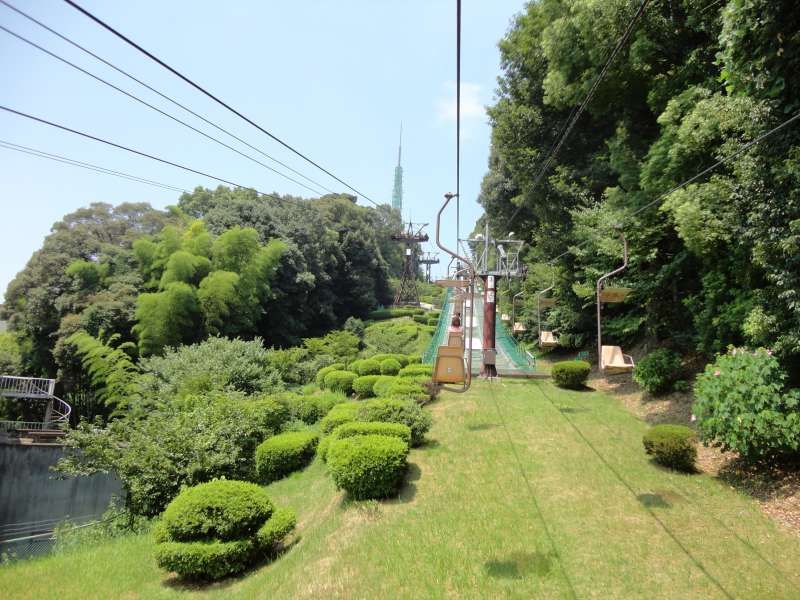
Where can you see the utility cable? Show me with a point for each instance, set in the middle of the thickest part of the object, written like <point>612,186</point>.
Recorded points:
<point>152,107</point>
<point>625,484</point>
<point>458,121</point>
<point>576,114</point>
<point>133,151</point>
<point>162,95</point>
<point>717,164</point>
<point>201,89</point>
<point>88,166</point>
<point>531,493</point>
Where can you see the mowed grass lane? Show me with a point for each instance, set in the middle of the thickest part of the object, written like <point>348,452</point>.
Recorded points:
<point>524,490</point>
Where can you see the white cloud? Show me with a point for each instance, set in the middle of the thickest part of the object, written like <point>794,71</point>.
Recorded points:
<point>471,106</point>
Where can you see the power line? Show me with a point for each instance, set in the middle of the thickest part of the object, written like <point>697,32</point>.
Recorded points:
<point>212,96</point>
<point>152,107</point>
<point>458,121</point>
<point>89,166</point>
<point>577,114</point>
<point>694,178</point>
<point>133,151</point>
<point>162,95</point>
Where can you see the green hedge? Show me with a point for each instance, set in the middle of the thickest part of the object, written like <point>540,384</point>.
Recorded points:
<point>338,415</point>
<point>421,319</point>
<point>672,446</point>
<point>414,359</point>
<point>391,410</point>
<point>368,466</point>
<point>401,358</point>
<point>390,366</point>
<point>408,389</point>
<point>382,385</point>
<point>366,366</point>
<point>414,370</point>
<point>571,374</point>
<point>218,528</point>
<point>311,408</point>
<point>363,386</point>
<point>282,454</point>
<point>320,377</point>
<point>354,428</point>
<point>340,381</point>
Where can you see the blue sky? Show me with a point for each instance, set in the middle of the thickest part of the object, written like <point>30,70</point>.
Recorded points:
<point>332,78</point>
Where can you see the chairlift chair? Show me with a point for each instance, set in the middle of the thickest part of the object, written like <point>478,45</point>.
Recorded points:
<point>547,339</point>
<point>450,366</point>
<point>611,359</point>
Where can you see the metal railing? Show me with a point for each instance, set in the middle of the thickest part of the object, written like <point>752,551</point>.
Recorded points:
<point>441,330</point>
<point>35,388</point>
<point>522,359</point>
<point>26,387</point>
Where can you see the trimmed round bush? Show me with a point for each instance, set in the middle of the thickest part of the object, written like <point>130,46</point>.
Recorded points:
<point>362,428</point>
<point>401,358</point>
<point>571,374</point>
<point>658,372</point>
<point>218,528</point>
<point>407,388</point>
<point>366,366</point>
<point>310,409</point>
<point>672,446</point>
<point>414,359</point>
<point>382,385</point>
<point>338,415</point>
<point>414,370</point>
<point>392,410</point>
<point>340,381</point>
<point>368,466</point>
<point>320,377</point>
<point>390,366</point>
<point>224,510</point>
<point>282,454</point>
<point>363,386</point>
<point>421,319</point>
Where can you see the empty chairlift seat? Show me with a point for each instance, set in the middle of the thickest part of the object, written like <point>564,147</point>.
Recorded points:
<point>519,327</point>
<point>612,360</point>
<point>449,366</point>
<point>548,340</point>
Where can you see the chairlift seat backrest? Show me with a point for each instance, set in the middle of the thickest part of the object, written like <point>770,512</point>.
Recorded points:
<point>614,294</point>
<point>614,360</point>
<point>450,351</point>
<point>548,340</point>
<point>547,302</point>
<point>449,369</point>
<point>455,339</point>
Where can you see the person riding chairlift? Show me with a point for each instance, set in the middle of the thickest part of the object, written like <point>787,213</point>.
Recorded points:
<point>455,324</point>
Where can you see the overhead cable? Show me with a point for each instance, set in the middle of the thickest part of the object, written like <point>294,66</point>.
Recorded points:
<point>162,95</point>
<point>216,99</point>
<point>692,179</point>
<point>152,107</point>
<point>89,166</point>
<point>576,114</point>
<point>134,151</point>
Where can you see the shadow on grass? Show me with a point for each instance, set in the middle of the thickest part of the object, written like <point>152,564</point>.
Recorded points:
<point>571,410</point>
<point>518,565</point>
<point>428,444</point>
<point>481,426</point>
<point>176,582</point>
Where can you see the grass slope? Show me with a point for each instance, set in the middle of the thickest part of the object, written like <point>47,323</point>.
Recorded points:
<point>549,497</point>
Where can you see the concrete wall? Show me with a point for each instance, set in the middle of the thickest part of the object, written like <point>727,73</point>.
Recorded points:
<point>28,491</point>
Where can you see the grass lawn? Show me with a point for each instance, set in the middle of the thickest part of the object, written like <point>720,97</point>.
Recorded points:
<point>524,491</point>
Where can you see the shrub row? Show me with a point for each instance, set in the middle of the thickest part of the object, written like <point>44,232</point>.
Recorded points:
<point>219,528</point>
<point>282,454</point>
<point>340,381</point>
<point>311,408</point>
<point>320,377</point>
<point>368,466</point>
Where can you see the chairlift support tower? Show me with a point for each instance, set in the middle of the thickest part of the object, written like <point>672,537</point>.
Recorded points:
<point>491,267</point>
<point>428,259</point>
<point>412,236</point>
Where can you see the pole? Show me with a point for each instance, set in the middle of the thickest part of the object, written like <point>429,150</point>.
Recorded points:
<point>489,315</point>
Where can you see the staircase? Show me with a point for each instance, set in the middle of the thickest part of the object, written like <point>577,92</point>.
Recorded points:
<point>35,389</point>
